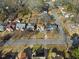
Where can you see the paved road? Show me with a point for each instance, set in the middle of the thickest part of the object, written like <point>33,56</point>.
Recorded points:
<point>33,41</point>
<point>59,22</point>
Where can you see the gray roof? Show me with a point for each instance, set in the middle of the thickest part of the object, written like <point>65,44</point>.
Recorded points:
<point>20,25</point>
<point>1,27</point>
<point>51,25</point>
<point>30,26</point>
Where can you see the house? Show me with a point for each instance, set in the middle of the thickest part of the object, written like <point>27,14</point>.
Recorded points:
<point>1,28</point>
<point>56,54</point>
<point>21,55</point>
<point>40,53</point>
<point>71,28</point>
<point>10,26</point>
<point>58,57</point>
<point>28,51</point>
<point>25,54</point>
<point>50,27</point>
<point>20,26</point>
<point>30,26</point>
<point>40,27</point>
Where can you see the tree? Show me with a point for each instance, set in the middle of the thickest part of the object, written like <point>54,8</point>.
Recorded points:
<point>74,35</point>
<point>75,39</point>
<point>2,15</point>
<point>75,53</point>
<point>70,7</point>
<point>35,4</point>
<point>73,8</point>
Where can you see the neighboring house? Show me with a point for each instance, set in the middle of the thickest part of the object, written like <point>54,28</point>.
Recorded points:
<point>50,27</point>
<point>40,53</point>
<point>22,55</point>
<point>30,26</point>
<point>55,55</point>
<point>25,54</point>
<point>20,26</point>
<point>58,57</point>
<point>40,28</point>
<point>64,13</point>
<point>28,51</point>
<point>10,26</point>
<point>50,3</point>
<point>1,28</point>
<point>71,28</point>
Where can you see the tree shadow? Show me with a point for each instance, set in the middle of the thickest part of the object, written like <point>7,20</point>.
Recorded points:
<point>10,55</point>
<point>5,39</point>
<point>1,54</point>
<point>61,53</point>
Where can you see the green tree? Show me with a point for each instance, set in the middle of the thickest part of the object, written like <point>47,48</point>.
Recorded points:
<point>2,16</point>
<point>75,53</point>
<point>32,4</point>
<point>70,7</point>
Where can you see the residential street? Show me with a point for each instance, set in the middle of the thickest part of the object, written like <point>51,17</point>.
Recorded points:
<point>64,40</point>
<point>34,41</point>
<point>59,22</point>
<point>45,41</point>
<point>39,29</point>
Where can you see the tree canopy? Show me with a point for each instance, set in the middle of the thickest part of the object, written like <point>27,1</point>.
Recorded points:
<point>75,53</point>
